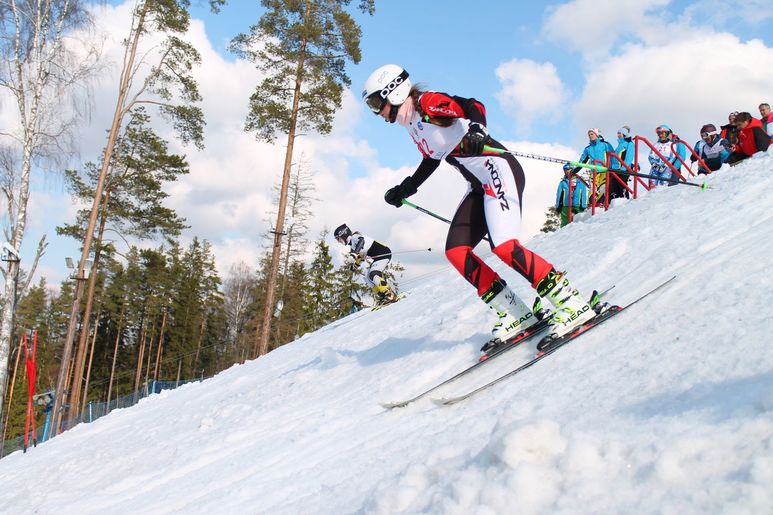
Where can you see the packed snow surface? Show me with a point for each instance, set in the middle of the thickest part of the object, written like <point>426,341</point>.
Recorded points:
<point>666,408</point>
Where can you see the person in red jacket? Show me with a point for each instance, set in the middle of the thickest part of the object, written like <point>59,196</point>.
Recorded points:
<point>453,129</point>
<point>751,138</point>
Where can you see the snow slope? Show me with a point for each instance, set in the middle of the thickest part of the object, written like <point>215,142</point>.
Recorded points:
<point>667,408</point>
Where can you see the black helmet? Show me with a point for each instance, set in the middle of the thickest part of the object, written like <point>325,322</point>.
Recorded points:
<point>342,233</point>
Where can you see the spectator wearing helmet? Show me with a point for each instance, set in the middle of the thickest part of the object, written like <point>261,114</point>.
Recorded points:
<point>730,131</point>
<point>751,138</point>
<point>766,117</point>
<point>712,149</point>
<point>453,129</point>
<point>376,255</point>
<point>660,168</point>
<point>626,151</point>
<point>579,195</point>
<point>597,153</point>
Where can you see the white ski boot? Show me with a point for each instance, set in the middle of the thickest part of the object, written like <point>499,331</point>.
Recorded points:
<point>571,309</point>
<point>514,316</point>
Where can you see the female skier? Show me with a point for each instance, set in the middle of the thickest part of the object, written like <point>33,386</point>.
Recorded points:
<point>454,128</point>
<point>375,254</point>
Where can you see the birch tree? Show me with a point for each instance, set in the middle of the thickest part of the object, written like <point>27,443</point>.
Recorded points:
<point>41,69</point>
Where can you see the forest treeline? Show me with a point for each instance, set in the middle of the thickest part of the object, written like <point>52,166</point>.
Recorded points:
<point>166,314</point>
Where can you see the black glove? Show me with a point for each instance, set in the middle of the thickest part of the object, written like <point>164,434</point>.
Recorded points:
<point>473,141</point>
<point>405,189</point>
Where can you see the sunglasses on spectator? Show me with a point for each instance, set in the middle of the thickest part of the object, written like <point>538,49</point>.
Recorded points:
<point>707,134</point>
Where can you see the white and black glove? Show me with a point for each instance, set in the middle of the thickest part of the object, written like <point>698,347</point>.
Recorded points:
<point>353,261</point>
<point>477,136</point>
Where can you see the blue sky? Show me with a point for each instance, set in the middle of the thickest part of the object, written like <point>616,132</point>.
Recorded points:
<point>456,46</point>
<point>545,71</point>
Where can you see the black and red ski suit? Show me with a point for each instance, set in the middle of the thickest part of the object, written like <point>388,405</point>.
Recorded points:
<point>492,203</point>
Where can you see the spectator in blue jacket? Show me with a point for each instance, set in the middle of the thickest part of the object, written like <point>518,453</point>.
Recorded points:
<point>625,149</point>
<point>596,153</point>
<point>712,149</point>
<point>659,167</point>
<point>579,195</point>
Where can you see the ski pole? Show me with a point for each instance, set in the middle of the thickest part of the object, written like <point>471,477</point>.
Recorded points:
<point>425,211</point>
<point>598,168</point>
<point>399,252</point>
<point>430,213</point>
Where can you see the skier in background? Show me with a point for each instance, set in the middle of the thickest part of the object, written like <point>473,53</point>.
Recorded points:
<point>454,128</point>
<point>375,254</point>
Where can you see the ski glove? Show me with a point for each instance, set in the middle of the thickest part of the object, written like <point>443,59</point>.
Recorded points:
<point>477,136</point>
<point>405,189</point>
<point>353,260</point>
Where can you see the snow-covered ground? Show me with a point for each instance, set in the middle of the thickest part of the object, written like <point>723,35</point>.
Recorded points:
<point>667,408</point>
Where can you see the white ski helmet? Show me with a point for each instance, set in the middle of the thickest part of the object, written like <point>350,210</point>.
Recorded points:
<point>389,82</point>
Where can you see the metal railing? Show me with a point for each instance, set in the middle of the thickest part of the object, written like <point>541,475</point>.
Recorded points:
<point>597,201</point>
<point>95,410</point>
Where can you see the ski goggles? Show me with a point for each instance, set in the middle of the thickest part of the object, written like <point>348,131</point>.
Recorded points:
<point>378,99</point>
<point>375,101</point>
<point>708,134</point>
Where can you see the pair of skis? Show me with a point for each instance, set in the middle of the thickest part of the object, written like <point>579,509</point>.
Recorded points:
<point>551,348</point>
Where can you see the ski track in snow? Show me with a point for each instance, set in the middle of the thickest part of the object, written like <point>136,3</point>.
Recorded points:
<point>667,408</point>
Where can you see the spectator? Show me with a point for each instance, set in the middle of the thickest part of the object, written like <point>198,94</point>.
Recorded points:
<point>767,119</point>
<point>665,146</point>
<point>751,138</point>
<point>596,153</point>
<point>625,150</point>
<point>579,195</point>
<point>712,149</point>
<point>730,131</point>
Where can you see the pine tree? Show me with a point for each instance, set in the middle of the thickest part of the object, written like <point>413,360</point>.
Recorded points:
<point>320,287</point>
<point>552,220</point>
<point>350,290</point>
<point>302,48</point>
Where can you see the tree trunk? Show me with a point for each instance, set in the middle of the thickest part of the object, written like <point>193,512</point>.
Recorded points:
<point>265,328</point>
<point>80,354</point>
<point>120,112</point>
<point>200,339</point>
<point>10,398</point>
<point>160,344</point>
<point>91,360</point>
<point>140,355</point>
<point>150,351</point>
<point>115,355</point>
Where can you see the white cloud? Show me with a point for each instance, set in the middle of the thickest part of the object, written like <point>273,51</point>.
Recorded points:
<point>685,84</point>
<point>592,27</point>
<point>530,89</point>
<point>721,12</point>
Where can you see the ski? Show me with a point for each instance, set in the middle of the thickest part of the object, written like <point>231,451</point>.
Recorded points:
<point>376,307</point>
<point>513,342</point>
<point>554,346</point>
<point>536,329</point>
